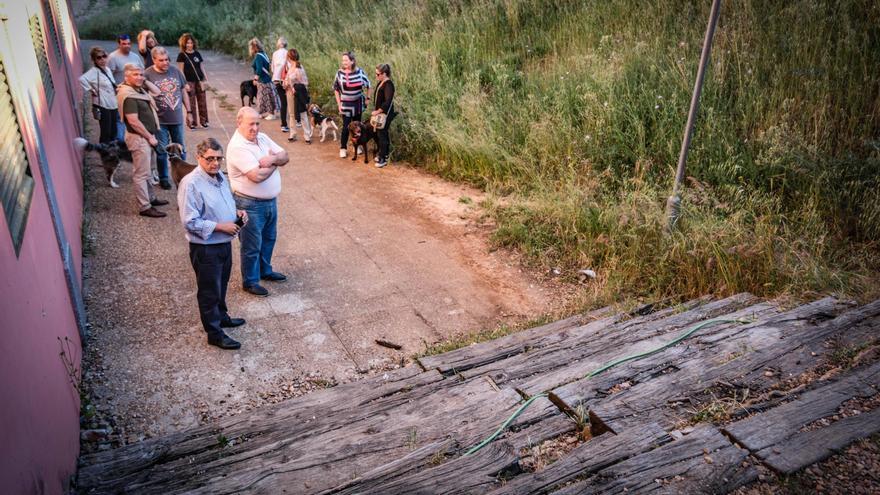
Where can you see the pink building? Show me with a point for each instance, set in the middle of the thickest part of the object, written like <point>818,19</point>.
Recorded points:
<point>41,194</point>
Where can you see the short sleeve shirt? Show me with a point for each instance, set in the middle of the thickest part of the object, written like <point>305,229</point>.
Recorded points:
<point>144,113</point>
<point>192,65</point>
<point>242,156</point>
<point>116,63</point>
<point>170,100</point>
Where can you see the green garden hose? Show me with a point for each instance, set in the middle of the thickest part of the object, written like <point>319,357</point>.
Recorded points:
<point>601,369</point>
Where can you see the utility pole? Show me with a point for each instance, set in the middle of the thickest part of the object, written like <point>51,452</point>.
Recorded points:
<point>673,204</point>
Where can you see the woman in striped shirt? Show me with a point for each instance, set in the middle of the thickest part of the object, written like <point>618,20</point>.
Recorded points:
<point>352,88</point>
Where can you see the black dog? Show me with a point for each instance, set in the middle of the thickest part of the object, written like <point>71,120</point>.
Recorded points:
<point>361,134</point>
<point>111,154</point>
<point>249,89</point>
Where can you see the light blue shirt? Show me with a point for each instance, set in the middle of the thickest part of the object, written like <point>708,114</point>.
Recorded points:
<point>205,201</point>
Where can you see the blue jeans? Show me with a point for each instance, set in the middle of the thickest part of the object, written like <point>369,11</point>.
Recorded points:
<point>257,238</point>
<point>168,133</point>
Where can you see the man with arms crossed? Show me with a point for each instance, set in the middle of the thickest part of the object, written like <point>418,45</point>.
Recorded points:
<point>208,214</point>
<point>256,182</point>
<point>141,124</point>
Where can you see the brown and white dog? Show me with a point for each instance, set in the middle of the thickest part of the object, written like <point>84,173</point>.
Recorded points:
<point>112,154</point>
<point>361,135</point>
<point>319,119</point>
<point>179,167</point>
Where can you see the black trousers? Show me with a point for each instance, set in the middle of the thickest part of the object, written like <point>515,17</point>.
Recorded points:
<point>282,100</point>
<point>384,139</point>
<point>212,264</point>
<point>107,123</point>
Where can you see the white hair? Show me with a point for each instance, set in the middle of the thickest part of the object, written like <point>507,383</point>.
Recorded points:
<point>158,50</point>
<point>281,43</point>
<point>131,68</point>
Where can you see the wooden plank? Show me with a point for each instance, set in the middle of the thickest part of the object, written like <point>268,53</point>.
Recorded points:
<point>510,345</point>
<point>580,346</point>
<point>702,462</point>
<point>684,371</point>
<point>776,426</point>
<point>464,475</point>
<point>306,452</point>
<point>587,459</point>
<point>802,449</point>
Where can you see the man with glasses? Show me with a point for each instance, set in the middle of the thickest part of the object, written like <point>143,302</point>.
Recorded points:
<point>211,221</point>
<point>123,56</point>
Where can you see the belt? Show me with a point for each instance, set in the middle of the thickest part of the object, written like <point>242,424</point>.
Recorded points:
<point>245,196</point>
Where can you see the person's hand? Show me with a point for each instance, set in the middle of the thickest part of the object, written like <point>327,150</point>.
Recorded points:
<point>243,216</point>
<point>153,141</point>
<point>268,160</point>
<point>376,112</point>
<point>227,228</point>
<point>186,87</point>
<point>340,109</point>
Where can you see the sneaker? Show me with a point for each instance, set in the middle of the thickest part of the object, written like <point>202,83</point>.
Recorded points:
<point>192,127</point>
<point>299,124</point>
<point>360,150</point>
<point>381,164</point>
<point>205,125</point>
<point>284,128</point>
<point>270,117</point>
<point>376,159</point>
<point>152,213</point>
<point>343,153</point>
<point>291,138</point>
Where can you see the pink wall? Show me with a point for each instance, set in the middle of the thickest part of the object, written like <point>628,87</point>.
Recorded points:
<point>39,407</point>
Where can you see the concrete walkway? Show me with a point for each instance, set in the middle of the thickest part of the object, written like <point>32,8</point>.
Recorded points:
<point>370,254</point>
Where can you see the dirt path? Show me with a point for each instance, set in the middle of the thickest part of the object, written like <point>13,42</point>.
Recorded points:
<point>370,253</point>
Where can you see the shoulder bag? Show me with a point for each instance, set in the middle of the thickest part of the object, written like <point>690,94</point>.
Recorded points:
<point>378,121</point>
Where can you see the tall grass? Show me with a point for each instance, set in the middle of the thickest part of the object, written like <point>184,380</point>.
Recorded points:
<point>573,111</point>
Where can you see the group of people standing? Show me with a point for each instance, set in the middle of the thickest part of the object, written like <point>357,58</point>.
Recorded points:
<point>179,94</point>
<point>283,86</point>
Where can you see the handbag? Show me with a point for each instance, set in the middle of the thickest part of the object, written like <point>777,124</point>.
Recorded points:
<point>378,121</point>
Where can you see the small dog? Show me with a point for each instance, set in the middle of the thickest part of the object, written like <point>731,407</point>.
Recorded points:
<point>319,119</point>
<point>112,154</point>
<point>361,135</point>
<point>179,168</point>
<point>249,89</point>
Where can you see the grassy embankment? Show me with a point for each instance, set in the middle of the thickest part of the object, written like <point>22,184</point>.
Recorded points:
<point>570,114</point>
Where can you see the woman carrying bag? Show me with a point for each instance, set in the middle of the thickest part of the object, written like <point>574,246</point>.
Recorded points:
<point>297,83</point>
<point>384,113</point>
<point>98,82</point>
<point>263,79</point>
<point>189,61</point>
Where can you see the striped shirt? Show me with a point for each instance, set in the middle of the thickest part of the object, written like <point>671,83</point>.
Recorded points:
<point>351,87</point>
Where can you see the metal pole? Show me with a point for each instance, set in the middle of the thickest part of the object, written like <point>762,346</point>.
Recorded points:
<point>673,204</point>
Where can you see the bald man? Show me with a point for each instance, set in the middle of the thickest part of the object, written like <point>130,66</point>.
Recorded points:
<point>253,162</point>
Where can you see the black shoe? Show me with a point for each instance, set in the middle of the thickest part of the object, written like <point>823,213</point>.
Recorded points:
<point>232,323</point>
<point>164,184</point>
<point>257,290</point>
<point>274,277</point>
<point>153,213</point>
<point>224,342</point>
<point>161,202</point>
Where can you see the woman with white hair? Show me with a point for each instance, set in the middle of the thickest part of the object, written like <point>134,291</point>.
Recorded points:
<point>263,79</point>
<point>279,71</point>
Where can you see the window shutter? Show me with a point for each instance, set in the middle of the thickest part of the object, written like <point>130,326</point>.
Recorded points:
<point>42,60</point>
<point>16,181</point>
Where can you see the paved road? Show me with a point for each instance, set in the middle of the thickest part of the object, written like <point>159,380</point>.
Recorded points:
<point>370,254</point>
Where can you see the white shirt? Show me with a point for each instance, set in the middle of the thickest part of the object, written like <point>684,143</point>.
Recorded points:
<point>242,156</point>
<point>100,87</point>
<point>279,60</point>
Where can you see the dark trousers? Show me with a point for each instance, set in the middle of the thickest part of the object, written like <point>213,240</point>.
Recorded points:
<point>282,102</point>
<point>384,139</point>
<point>198,104</point>
<point>212,264</point>
<point>107,119</point>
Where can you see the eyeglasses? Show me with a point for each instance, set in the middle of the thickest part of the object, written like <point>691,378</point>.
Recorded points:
<point>213,158</point>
